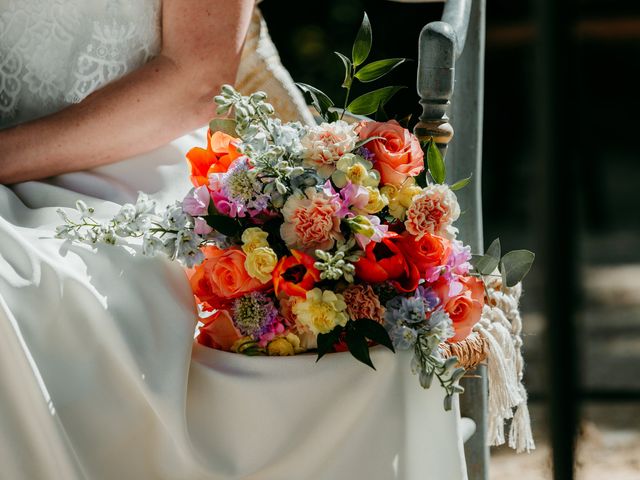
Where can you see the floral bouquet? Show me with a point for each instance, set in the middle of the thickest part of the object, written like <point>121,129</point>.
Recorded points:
<point>332,237</point>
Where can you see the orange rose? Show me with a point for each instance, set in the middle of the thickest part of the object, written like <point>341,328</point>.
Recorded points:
<point>397,155</point>
<point>219,331</point>
<point>463,300</point>
<point>222,277</point>
<point>429,253</point>
<point>220,152</point>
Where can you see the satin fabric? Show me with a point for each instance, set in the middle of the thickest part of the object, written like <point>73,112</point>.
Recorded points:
<point>100,379</point>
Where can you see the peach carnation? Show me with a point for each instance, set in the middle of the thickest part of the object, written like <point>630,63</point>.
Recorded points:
<point>362,302</point>
<point>311,221</point>
<point>433,211</point>
<point>326,143</point>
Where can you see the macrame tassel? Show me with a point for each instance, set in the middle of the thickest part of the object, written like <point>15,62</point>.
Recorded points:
<point>520,435</point>
<point>501,326</point>
<point>503,392</point>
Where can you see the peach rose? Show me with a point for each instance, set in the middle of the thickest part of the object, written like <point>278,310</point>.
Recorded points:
<point>463,300</point>
<point>397,155</point>
<point>219,331</point>
<point>222,276</point>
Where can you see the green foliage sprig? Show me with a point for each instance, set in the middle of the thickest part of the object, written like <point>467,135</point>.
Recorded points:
<point>356,69</point>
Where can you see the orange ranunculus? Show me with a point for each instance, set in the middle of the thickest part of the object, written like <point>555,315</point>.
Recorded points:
<point>220,152</point>
<point>429,253</point>
<point>384,261</point>
<point>222,277</point>
<point>463,300</point>
<point>295,275</point>
<point>397,155</point>
<point>219,331</point>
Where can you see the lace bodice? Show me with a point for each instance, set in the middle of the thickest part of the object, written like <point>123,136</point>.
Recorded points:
<point>56,52</point>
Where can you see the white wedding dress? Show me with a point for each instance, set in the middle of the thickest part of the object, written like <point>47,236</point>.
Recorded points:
<point>99,375</point>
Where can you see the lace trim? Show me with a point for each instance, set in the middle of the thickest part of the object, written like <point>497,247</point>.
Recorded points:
<point>54,52</point>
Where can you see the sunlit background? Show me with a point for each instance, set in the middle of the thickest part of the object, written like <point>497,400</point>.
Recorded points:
<point>602,131</point>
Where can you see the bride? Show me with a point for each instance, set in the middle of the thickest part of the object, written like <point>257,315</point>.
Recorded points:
<point>99,376</point>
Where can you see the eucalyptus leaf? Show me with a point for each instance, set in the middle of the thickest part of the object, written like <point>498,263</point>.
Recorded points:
<point>374,331</point>
<point>503,273</point>
<point>516,264</point>
<point>461,183</point>
<point>358,346</point>
<point>378,69</point>
<point>494,249</point>
<point>370,102</point>
<point>362,43</point>
<point>435,162</point>
<point>224,125</point>
<point>348,78</point>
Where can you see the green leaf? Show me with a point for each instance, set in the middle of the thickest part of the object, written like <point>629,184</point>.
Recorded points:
<point>348,79</point>
<point>362,43</point>
<point>435,162</point>
<point>332,116</point>
<point>370,102</point>
<point>461,183</point>
<point>326,341</point>
<point>374,331</point>
<point>503,273</point>
<point>225,225</point>
<point>358,346</point>
<point>494,249</point>
<point>365,141</point>
<point>319,99</point>
<point>487,263</point>
<point>516,265</point>
<point>378,69</point>
<point>224,125</point>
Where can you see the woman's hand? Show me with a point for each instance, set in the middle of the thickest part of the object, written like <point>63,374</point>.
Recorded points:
<point>172,94</point>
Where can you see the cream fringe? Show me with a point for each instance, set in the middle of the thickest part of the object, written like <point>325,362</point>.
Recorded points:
<point>501,326</point>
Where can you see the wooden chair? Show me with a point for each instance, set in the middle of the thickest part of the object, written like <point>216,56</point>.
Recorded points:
<point>452,54</point>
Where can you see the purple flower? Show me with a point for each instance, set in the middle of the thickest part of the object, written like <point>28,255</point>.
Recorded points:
<point>196,203</point>
<point>236,192</point>
<point>354,196</point>
<point>201,226</point>
<point>254,314</point>
<point>365,153</point>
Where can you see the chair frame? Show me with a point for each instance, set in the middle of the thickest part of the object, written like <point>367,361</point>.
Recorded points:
<point>451,52</point>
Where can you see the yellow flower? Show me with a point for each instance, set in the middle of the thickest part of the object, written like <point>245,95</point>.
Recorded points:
<point>377,201</point>
<point>260,263</point>
<point>280,347</point>
<point>253,238</point>
<point>401,198</point>
<point>321,311</point>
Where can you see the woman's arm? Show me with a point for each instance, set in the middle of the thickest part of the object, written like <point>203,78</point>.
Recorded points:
<point>171,95</point>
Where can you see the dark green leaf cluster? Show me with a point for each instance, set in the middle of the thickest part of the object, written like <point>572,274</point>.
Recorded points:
<point>356,335</point>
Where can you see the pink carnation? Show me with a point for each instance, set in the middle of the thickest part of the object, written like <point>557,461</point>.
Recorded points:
<point>311,220</point>
<point>433,211</point>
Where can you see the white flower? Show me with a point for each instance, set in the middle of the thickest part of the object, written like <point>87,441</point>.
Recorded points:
<point>323,145</point>
<point>188,248</point>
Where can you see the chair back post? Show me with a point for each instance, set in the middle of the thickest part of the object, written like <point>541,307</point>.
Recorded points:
<point>452,54</point>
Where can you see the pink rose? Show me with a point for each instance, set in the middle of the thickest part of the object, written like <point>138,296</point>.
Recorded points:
<point>397,155</point>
